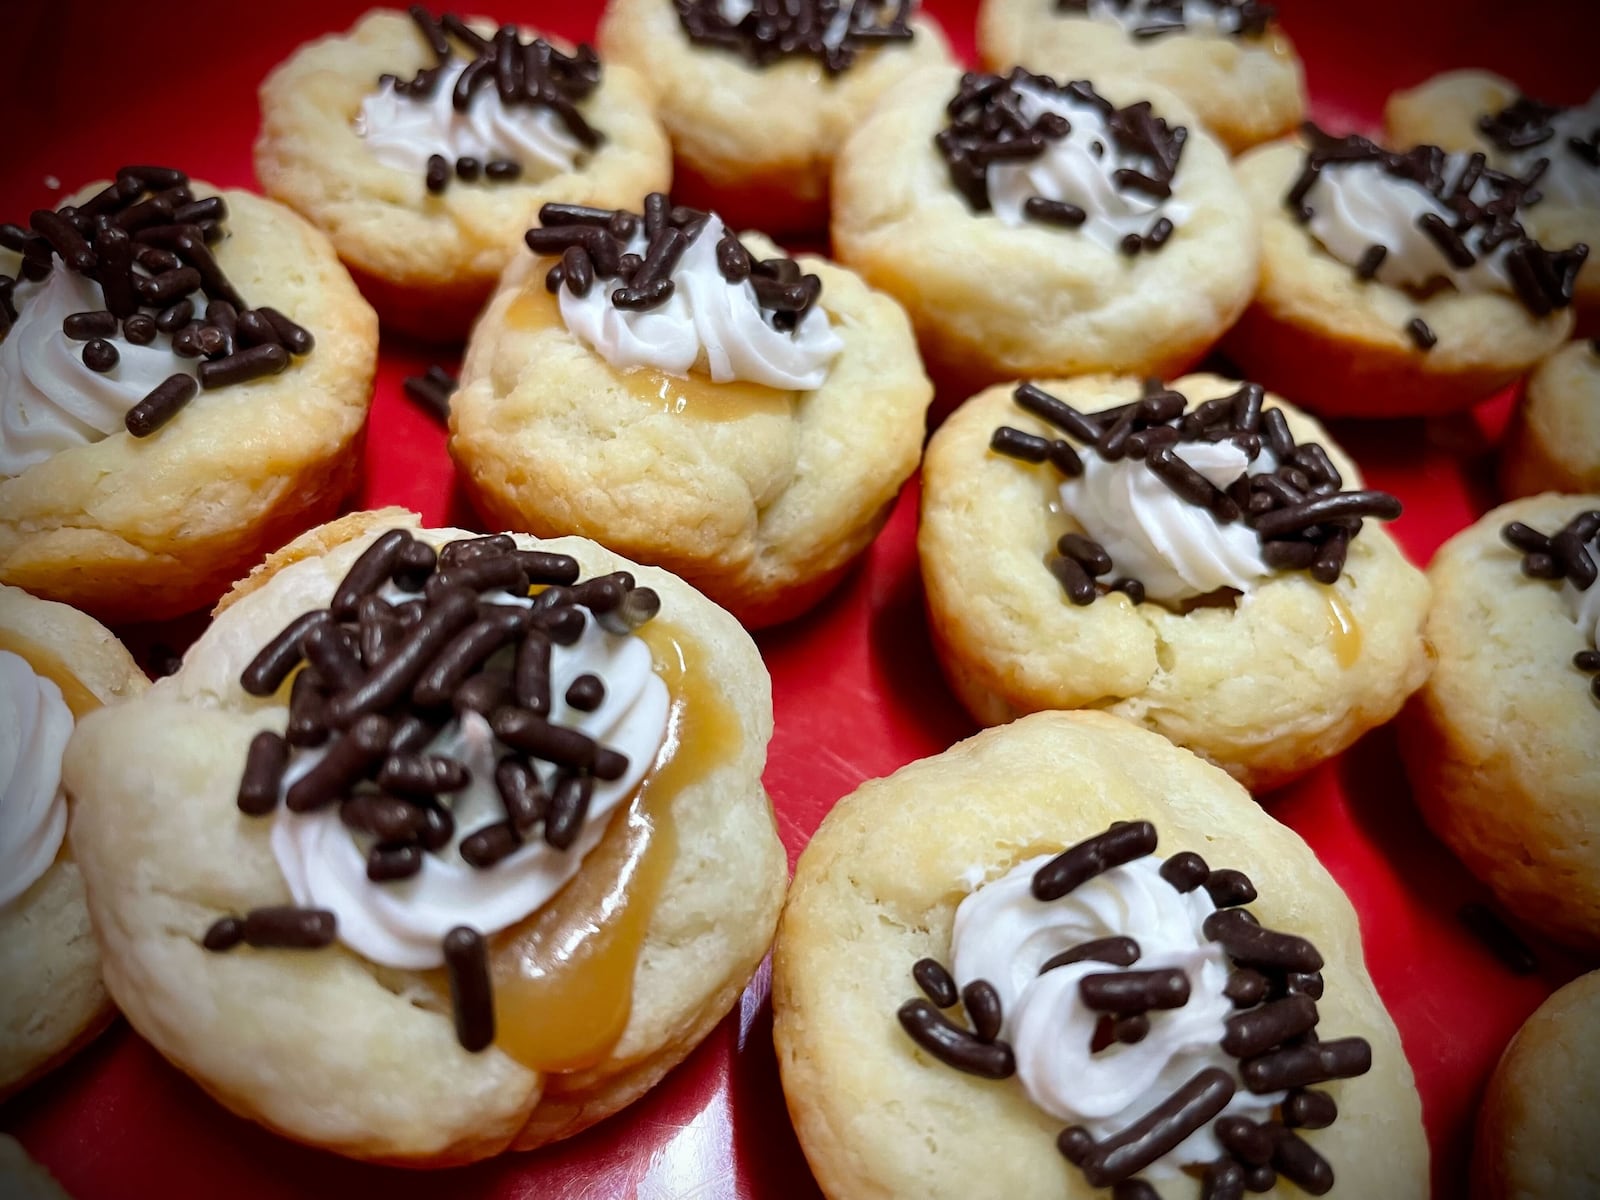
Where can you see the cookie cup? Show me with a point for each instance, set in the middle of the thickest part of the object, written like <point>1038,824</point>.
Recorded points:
<point>141,529</point>
<point>991,301</point>
<point>375,1072</point>
<point>1553,442</point>
<point>1266,687</point>
<point>53,1002</point>
<point>1340,344</point>
<point>1501,746</point>
<point>428,262</point>
<point>877,889</point>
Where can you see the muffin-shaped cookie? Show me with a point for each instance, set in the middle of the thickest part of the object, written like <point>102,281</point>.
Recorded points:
<point>56,666</point>
<point>1536,1128</point>
<point>1479,112</point>
<point>1031,228</point>
<point>424,147</point>
<point>1199,559</point>
<point>689,397</point>
<point>1396,283</point>
<point>758,98</point>
<point>184,382</point>
<point>472,878</point>
<point>1553,443</point>
<point>1228,60</point>
<point>1503,744</point>
<point>1130,1030</point>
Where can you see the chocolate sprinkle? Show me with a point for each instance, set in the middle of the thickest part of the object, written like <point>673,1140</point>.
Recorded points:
<point>831,31</point>
<point>1237,18</point>
<point>466,959</point>
<point>431,390</point>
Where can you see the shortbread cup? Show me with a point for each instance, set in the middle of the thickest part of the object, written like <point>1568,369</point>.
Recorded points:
<point>1535,1134</point>
<point>52,1001</point>
<point>1444,111</point>
<point>1244,90</point>
<point>990,301</point>
<point>1340,345</point>
<point>1553,442</point>
<point>376,1075</point>
<point>142,529</point>
<point>761,505</point>
<point>1501,746</point>
<point>429,262</point>
<point>877,888</point>
<point>757,144</point>
<point>1266,688</point>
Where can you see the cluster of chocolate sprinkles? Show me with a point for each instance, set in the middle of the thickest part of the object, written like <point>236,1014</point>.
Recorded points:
<point>375,682</point>
<point>432,390</point>
<point>1543,279</point>
<point>832,31</point>
<point>1166,16</point>
<point>988,125</point>
<point>1275,986</point>
<point>147,241</point>
<point>530,74</point>
<point>1526,123</point>
<point>592,244</point>
<point>1563,555</point>
<point>1303,517</point>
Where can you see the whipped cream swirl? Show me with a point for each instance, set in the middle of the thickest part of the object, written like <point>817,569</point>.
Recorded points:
<point>1178,550</point>
<point>49,400</point>
<point>405,131</point>
<point>1003,935</point>
<point>403,923</point>
<point>707,322</point>
<point>1206,17</point>
<point>1585,605</point>
<point>1570,180</point>
<point>35,724</point>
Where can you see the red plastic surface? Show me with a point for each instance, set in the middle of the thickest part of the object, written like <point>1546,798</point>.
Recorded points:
<point>857,691</point>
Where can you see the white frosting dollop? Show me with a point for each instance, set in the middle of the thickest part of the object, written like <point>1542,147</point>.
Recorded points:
<point>1585,605</point>
<point>1004,935</point>
<point>1355,206</point>
<point>1202,17</point>
<point>1569,180</point>
<point>35,724</point>
<point>49,400</point>
<point>1178,550</point>
<point>404,132</point>
<point>402,923</point>
<point>1072,170</point>
<point>706,322</point>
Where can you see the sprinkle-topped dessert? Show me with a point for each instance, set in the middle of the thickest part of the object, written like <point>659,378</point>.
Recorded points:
<point>1567,140</point>
<point>1157,18</point>
<point>764,31</point>
<point>1568,556</point>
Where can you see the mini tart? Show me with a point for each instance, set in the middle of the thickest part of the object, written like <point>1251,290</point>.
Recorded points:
<point>428,262</point>
<point>1265,689</point>
<point>23,1179</point>
<point>1245,90</point>
<point>1553,444</point>
<point>54,1002</point>
<point>1501,746</point>
<point>1340,344</point>
<point>1535,1133</point>
<point>990,301</point>
<point>376,1075</point>
<point>141,529</point>
<point>877,889</point>
<point>759,497</point>
<point>756,143</point>
<point>1444,110</point>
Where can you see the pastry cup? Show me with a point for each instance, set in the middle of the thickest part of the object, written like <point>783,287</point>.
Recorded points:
<point>877,889</point>
<point>53,1002</point>
<point>141,529</point>
<point>428,262</point>
<point>1501,744</point>
<point>1244,90</point>
<point>1266,688</point>
<point>372,1073</point>
<point>760,498</point>
<point>1340,344</point>
<point>1553,443</point>
<point>757,144</point>
<point>990,301</point>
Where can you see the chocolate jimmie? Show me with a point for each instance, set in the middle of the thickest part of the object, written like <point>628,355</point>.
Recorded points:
<point>832,31</point>
<point>1563,556</point>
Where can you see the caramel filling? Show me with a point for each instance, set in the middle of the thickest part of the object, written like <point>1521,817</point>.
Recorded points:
<point>49,665</point>
<point>692,396</point>
<point>1342,627</point>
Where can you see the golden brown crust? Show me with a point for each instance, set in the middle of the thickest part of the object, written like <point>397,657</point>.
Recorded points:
<point>136,529</point>
<point>1553,443</point>
<point>429,261</point>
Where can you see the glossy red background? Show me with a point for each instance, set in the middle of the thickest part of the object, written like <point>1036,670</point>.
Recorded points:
<point>89,86</point>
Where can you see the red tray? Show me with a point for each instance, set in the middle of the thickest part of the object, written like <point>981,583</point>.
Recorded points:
<point>856,688</point>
